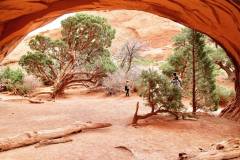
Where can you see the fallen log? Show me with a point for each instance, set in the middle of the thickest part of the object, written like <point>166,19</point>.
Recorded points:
<point>33,137</point>
<point>34,101</point>
<point>52,141</point>
<point>225,150</point>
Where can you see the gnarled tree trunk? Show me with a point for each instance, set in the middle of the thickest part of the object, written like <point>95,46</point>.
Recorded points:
<point>137,117</point>
<point>230,72</point>
<point>58,89</point>
<point>233,110</point>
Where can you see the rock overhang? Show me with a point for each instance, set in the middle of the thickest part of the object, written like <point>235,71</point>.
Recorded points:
<point>220,19</point>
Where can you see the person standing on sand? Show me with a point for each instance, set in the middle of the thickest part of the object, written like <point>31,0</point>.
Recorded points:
<point>127,89</point>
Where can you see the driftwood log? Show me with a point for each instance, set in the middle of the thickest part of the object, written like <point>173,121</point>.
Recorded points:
<point>225,150</point>
<point>33,137</point>
<point>53,141</point>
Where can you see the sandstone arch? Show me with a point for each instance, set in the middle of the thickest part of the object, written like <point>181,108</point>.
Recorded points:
<point>220,19</point>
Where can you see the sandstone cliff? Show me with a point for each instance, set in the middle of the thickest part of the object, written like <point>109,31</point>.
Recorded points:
<point>155,31</point>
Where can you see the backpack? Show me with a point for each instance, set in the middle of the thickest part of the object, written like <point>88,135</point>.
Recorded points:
<point>176,82</point>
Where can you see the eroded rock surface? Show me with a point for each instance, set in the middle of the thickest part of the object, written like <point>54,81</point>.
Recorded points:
<point>218,19</point>
<point>156,33</point>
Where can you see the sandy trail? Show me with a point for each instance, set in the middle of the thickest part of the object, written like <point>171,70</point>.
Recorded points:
<point>157,138</point>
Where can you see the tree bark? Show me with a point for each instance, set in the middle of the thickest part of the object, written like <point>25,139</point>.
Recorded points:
<point>135,117</point>
<point>58,89</point>
<point>230,73</point>
<point>233,110</point>
<point>194,106</point>
<point>34,137</point>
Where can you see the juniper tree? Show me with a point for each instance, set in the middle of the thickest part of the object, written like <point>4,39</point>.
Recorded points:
<point>80,57</point>
<point>196,69</point>
<point>161,96</point>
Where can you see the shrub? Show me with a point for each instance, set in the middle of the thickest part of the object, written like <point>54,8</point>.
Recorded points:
<point>15,81</point>
<point>10,76</point>
<point>225,95</point>
<point>18,89</point>
<point>160,95</point>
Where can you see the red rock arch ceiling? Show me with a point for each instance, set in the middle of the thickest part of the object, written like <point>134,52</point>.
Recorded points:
<point>220,19</point>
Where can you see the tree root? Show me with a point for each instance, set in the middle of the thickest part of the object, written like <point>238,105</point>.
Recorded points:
<point>232,112</point>
<point>39,93</point>
<point>35,101</point>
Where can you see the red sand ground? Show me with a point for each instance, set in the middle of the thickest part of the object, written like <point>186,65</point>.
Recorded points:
<point>158,138</point>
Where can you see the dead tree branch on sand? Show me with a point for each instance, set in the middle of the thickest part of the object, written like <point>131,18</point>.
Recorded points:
<point>137,117</point>
<point>33,137</point>
<point>229,149</point>
<point>177,115</point>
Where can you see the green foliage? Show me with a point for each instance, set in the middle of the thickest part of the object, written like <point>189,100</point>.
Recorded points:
<point>181,62</point>
<point>82,28</point>
<point>218,55</point>
<point>40,43</point>
<point>11,76</point>
<point>38,64</point>
<point>103,62</point>
<point>90,36</point>
<point>13,80</point>
<point>182,54</point>
<point>225,95</point>
<point>159,93</point>
<point>167,69</point>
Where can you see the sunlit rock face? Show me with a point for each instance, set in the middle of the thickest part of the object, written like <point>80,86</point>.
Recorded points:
<point>220,19</point>
<point>156,34</point>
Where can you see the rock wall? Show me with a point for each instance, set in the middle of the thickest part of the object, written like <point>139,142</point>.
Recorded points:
<point>156,32</point>
<point>218,18</point>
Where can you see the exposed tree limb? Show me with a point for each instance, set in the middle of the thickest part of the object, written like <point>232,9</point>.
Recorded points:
<point>138,117</point>
<point>126,149</point>
<point>33,137</point>
<point>230,72</point>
